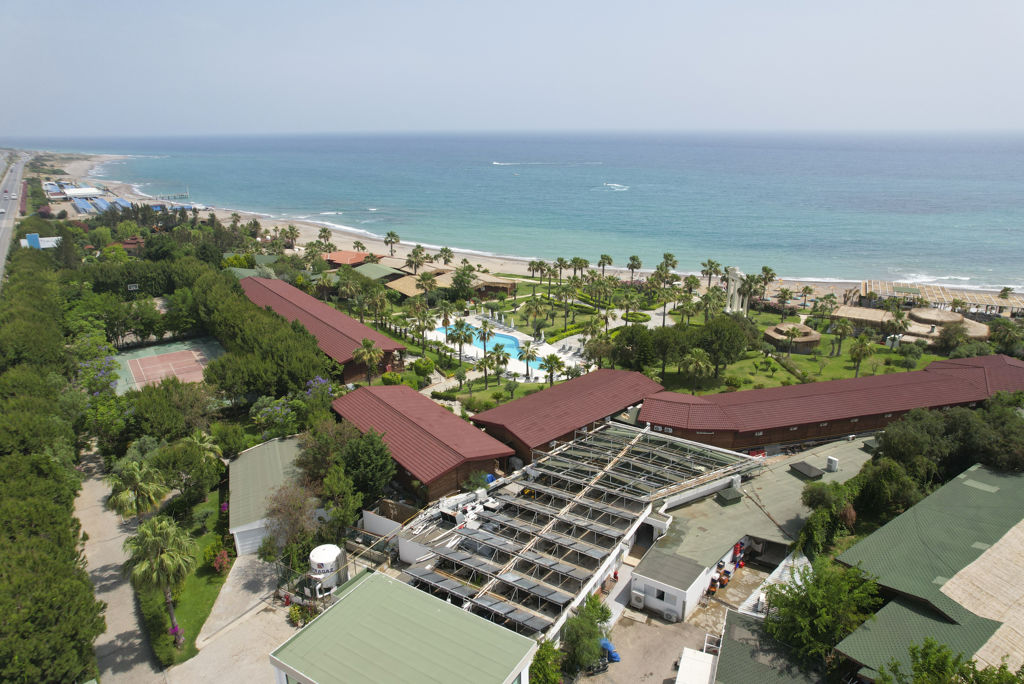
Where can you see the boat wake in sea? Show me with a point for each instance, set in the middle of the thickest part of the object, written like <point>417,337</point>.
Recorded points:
<point>613,187</point>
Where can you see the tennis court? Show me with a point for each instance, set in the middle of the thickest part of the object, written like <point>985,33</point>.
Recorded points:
<point>184,359</point>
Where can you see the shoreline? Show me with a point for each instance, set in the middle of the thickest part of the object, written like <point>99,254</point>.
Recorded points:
<point>81,166</point>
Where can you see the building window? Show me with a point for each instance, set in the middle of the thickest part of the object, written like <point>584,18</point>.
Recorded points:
<point>793,428</point>
<point>668,430</point>
<point>822,424</point>
<point>855,420</point>
<point>704,432</point>
<point>887,415</point>
<point>657,428</point>
<point>660,595</point>
<point>972,404</point>
<point>759,433</point>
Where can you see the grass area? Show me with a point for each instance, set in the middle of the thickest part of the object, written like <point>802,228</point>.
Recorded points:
<point>487,396</point>
<point>197,594</point>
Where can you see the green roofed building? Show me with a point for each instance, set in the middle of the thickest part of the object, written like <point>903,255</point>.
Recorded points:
<point>377,272</point>
<point>381,630</point>
<point>748,655</point>
<point>952,565</point>
<point>255,475</point>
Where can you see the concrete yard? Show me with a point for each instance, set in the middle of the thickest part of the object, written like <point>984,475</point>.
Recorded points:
<point>649,650</point>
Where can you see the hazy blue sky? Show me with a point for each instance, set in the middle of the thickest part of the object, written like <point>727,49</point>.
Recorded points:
<point>126,68</point>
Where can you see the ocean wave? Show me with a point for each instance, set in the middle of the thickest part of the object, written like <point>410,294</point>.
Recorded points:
<point>614,187</point>
<point>331,213</point>
<point>372,209</point>
<point>137,189</point>
<point>552,163</point>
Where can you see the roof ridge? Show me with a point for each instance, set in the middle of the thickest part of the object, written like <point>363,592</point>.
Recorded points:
<point>394,411</point>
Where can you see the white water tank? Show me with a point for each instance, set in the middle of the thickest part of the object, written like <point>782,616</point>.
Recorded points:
<point>831,464</point>
<point>325,564</point>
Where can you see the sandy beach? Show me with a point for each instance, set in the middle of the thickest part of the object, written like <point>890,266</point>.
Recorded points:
<point>79,168</point>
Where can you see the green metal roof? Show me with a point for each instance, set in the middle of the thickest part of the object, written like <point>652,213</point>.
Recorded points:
<point>255,474</point>
<point>901,623</point>
<point>258,259</point>
<point>382,630</point>
<point>243,272</point>
<point>376,271</point>
<point>749,655</point>
<point>916,553</point>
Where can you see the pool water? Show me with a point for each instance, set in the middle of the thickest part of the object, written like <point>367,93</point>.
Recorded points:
<point>511,344</point>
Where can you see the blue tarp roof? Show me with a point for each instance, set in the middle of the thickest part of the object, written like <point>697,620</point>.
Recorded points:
<point>123,203</point>
<point>101,204</point>
<point>82,206</point>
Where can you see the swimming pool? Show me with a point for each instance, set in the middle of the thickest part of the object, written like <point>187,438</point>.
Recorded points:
<point>511,343</point>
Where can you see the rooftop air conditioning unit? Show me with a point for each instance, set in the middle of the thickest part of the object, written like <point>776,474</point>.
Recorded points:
<point>831,464</point>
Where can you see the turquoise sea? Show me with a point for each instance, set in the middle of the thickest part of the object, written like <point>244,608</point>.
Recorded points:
<point>938,209</point>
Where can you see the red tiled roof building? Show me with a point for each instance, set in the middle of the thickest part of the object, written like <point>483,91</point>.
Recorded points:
<point>555,413</point>
<point>336,334</point>
<point>429,443</point>
<point>739,420</point>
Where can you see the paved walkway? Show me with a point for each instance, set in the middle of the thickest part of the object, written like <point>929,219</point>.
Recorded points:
<point>249,585</point>
<point>123,651</point>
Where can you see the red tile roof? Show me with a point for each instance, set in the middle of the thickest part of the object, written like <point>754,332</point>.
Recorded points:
<point>942,383</point>
<point>336,334</point>
<point>424,438</point>
<point>556,411</point>
<point>345,257</point>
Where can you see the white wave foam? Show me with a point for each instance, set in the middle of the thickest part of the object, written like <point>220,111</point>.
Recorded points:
<point>554,163</point>
<point>371,208</point>
<point>331,213</point>
<point>615,187</point>
<point>137,189</point>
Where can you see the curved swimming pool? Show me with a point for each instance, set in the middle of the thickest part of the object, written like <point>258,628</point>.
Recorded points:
<point>511,343</point>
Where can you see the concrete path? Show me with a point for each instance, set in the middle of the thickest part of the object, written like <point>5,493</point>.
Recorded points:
<point>123,651</point>
<point>249,585</point>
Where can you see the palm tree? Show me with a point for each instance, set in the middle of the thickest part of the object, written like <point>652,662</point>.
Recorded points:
<point>691,283</point>
<point>605,260</point>
<point>688,308</point>
<point>552,365</point>
<point>1005,292</point>
<point>358,246</point>
<point>630,302</point>
<point>711,268</point>
<point>136,488</point>
<point>500,359</point>
<point>669,261</point>
<point>446,254</point>
<point>416,258</point>
<point>767,278</point>
<point>957,304</point>
<point>697,364</point>
<point>370,355</point>
<point>290,234</point>
<point>1006,334</point>
<point>204,442</point>
<point>791,334</point>
<point>783,295</point>
<point>634,265</point>
<point>561,264</point>
<point>711,302</point>
<point>486,333</point>
<point>160,556</point>
<point>446,311</point>
<point>533,309</point>
<point>578,264</point>
<point>390,240</point>
<point>805,292</point>
<point>426,282</point>
<point>844,328</point>
<point>527,354</point>
<point>862,348</point>
<point>461,334</point>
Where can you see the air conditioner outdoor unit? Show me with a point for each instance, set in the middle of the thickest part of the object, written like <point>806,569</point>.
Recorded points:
<point>636,599</point>
<point>670,616</point>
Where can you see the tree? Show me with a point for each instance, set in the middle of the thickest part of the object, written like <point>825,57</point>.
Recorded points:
<point>390,240</point>
<point>582,639</point>
<point>805,292</point>
<point>767,278</point>
<point>485,333</point>
<point>188,468</point>
<point>510,386</point>
<point>552,365</point>
<point>369,355</point>
<point>461,334</point>
<point>137,488</point>
<point>527,354</point>
<point>605,260</point>
<point>791,334</point>
<point>862,348</point>
<point>368,462</point>
<point>320,448</point>
<point>711,268</point>
<point>358,246</point>
<point>1005,292</point>
<point>933,662</point>
<point>1006,334</point>
<point>291,513</point>
<point>697,364</point>
<point>783,295</point>
<point>160,556</point>
<point>342,501</point>
<point>546,667</point>
<point>426,283</point>
<point>446,255</point>
<point>724,341</point>
<point>634,265</point>
<point>633,348</point>
<point>843,328</point>
<point>500,358</point>
<point>819,607</point>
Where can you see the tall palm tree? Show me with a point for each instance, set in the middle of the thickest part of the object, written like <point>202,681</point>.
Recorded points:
<point>290,234</point>
<point>137,488</point>
<point>552,365</point>
<point>634,265</point>
<point>160,556</point>
<point>767,278</point>
<point>783,295</point>
<point>533,309</point>
<point>862,348</point>
<point>843,328</point>
<point>461,334</point>
<point>630,302</point>
<point>688,308</point>
<point>805,292</point>
<point>697,364</point>
<point>416,258</point>
<point>485,333</point>
<point>669,261</point>
<point>527,354</point>
<point>446,254</point>
<point>358,246</point>
<point>605,260</point>
<point>791,334</point>
<point>711,268</point>
<point>578,264</point>
<point>561,264</point>
<point>446,311</point>
<point>370,355</point>
<point>499,359</point>
<point>390,240</point>
<point>426,283</point>
<point>204,442</point>
<point>691,283</point>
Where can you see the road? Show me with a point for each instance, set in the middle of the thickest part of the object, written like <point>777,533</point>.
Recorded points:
<point>11,183</point>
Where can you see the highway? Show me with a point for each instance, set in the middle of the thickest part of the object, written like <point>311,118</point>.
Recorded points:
<point>11,183</point>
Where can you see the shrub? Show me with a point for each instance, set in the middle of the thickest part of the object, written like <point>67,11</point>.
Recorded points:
<point>211,552</point>
<point>391,378</point>
<point>636,317</point>
<point>732,381</point>
<point>295,614</point>
<point>423,367</point>
<point>157,625</point>
<point>448,395</point>
<point>268,549</point>
<point>759,385</point>
<point>222,562</point>
<point>422,382</point>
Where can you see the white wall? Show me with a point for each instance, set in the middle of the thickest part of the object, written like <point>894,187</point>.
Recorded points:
<point>378,524</point>
<point>673,602</point>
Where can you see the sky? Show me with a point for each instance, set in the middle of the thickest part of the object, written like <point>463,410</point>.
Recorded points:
<point>113,68</point>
